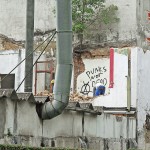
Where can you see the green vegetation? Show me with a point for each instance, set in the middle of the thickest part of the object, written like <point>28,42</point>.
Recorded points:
<point>17,147</point>
<point>83,12</point>
<point>108,15</point>
<point>88,14</point>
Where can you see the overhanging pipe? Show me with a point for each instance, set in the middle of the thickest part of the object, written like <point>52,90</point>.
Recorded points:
<point>64,62</point>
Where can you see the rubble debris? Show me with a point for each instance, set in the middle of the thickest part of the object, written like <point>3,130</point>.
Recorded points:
<point>45,93</point>
<point>73,97</point>
<point>7,43</point>
<point>76,97</point>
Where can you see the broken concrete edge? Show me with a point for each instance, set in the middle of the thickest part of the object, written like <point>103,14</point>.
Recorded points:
<point>26,97</point>
<point>8,93</point>
<point>11,93</point>
<point>11,147</point>
<point>8,43</point>
<point>124,143</point>
<point>72,106</point>
<point>86,46</point>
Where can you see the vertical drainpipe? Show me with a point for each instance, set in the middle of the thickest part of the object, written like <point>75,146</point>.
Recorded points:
<point>64,62</point>
<point>29,44</point>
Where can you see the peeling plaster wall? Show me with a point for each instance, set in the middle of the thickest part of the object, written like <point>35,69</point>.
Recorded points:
<point>127,26</point>
<point>143,24</point>
<point>13,24</point>
<point>93,58</point>
<point>143,98</point>
<point>96,71</point>
<point>119,34</point>
<point>13,17</point>
<point>114,97</point>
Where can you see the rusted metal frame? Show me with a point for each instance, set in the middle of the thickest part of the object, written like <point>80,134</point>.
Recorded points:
<point>42,71</point>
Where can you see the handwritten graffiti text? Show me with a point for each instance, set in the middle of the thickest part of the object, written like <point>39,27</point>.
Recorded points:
<point>96,72</point>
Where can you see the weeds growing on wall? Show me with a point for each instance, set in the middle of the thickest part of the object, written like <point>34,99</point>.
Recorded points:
<point>17,147</point>
<point>89,15</point>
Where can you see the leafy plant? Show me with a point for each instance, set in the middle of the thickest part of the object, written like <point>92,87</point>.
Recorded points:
<point>88,14</point>
<point>18,147</point>
<point>83,12</point>
<point>108,15</point>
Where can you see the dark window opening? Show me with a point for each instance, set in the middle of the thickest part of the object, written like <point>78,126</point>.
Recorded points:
<point>8,82</point>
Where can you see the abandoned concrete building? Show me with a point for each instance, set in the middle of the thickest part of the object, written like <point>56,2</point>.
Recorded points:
<point>118,120</point>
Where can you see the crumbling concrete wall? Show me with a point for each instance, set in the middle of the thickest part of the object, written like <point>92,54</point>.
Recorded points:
<point>70,129</point>
<point>125,29</point>
<point>119,34</point>
<point>13,17</point>
<point>91,67</point>
<point>143,22</point>
<point>143,95</point>
<point>91,64</point>
<point>9,44</point>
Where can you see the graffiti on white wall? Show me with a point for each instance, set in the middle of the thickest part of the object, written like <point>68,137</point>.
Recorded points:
<point>96,71</point>
<point>95,75</point>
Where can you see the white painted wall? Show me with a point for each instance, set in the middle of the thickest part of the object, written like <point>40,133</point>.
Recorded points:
<point>134,74</point>
<point>10,58</point>
<point>13,17</point>
<point>143,93</point>
<point>96,71</point>
<point>127,25</point>
<point>115,97</point>
<point>118,94</point>
<point>143,85</point>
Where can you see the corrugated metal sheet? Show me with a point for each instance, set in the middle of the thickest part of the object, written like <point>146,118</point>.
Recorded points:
<point>72,106</point>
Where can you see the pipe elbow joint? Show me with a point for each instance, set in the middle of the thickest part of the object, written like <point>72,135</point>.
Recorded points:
<point>51,109</point>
